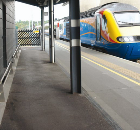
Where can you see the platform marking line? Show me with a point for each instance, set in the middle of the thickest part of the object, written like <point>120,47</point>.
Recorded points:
<point>131,80</point>
<point>111,65</point>
<point>111,71</point>
<point>114,67</point>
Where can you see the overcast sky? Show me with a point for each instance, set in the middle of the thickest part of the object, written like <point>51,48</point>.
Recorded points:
<point>27,12</point>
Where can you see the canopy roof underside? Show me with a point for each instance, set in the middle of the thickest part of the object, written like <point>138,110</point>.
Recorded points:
<point>40,3</point>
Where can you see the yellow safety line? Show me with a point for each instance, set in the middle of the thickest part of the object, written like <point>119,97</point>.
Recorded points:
<point>105,67</point>
<point>111,71</point>
<point>111,65</point>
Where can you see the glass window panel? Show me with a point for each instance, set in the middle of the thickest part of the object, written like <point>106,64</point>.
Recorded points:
<point>127,17</point>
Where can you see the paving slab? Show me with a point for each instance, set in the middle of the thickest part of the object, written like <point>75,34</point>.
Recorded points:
<point>40,98</point>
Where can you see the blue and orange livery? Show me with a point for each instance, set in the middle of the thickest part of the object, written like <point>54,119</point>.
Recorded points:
<point>114,27</point>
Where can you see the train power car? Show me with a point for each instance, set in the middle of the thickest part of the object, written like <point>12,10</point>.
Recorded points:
<point>114,27</point>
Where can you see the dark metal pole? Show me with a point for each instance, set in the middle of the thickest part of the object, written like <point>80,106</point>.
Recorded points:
<point>75,46</point>
<point>51,31</point>
<point>42,29</point>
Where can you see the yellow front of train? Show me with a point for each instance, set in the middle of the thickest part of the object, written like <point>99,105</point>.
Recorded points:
<point>123,32</point>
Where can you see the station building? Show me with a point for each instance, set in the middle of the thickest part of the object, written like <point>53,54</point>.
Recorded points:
<point>7,33</point>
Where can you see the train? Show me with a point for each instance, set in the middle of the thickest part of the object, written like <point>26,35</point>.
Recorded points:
<point>113,28</point>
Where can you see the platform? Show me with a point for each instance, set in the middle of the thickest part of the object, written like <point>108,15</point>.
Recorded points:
<point>40,99</point>
<point>111,82</point>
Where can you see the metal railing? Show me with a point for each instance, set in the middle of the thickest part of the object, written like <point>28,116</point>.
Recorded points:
<point>8,69</point>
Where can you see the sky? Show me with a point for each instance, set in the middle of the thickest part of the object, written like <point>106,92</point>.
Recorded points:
<point>27,12</point>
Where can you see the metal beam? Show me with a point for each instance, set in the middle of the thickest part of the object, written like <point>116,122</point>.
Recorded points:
<point>75,46</point>
<point>40,3</point>
<point>51,32</point>
<point>30,2</point>
<point>42,29</point>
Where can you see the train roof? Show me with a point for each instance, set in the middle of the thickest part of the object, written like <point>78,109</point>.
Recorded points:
<point>113,7</point>
<point>118,7</point>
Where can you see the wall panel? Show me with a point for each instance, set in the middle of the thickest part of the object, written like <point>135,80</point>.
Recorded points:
<point>87,4</point>
<point>10,28</point>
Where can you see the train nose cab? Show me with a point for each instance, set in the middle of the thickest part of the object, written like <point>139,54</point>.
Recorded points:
<point>129,27</point>
<point>120,33</point>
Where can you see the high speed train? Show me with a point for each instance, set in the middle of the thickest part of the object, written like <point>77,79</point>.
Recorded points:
<point>113,27</point>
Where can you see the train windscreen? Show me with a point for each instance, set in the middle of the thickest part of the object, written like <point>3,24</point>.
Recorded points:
<point>127,18</point>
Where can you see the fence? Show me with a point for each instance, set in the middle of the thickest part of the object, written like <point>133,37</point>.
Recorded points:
<point>29,37</point>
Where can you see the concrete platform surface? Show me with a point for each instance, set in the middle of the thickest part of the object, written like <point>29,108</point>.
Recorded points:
<point>112,83</point>
<point>40,99</point>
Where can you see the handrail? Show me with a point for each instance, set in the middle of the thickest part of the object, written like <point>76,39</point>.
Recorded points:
<point>9,66</point>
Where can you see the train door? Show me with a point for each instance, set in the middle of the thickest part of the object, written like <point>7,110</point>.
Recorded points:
<point>98,28</point>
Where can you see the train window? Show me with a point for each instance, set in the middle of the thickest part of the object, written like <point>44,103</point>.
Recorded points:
<point>127,18</point>
<point>61,27</point>
<point>104,23</point>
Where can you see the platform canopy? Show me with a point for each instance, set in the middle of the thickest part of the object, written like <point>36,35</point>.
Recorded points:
<point>40,3</point>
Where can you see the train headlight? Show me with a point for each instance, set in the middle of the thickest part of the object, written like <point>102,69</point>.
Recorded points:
<point>125,39</point>
<point>120,39</point>
<point>131,39</point>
